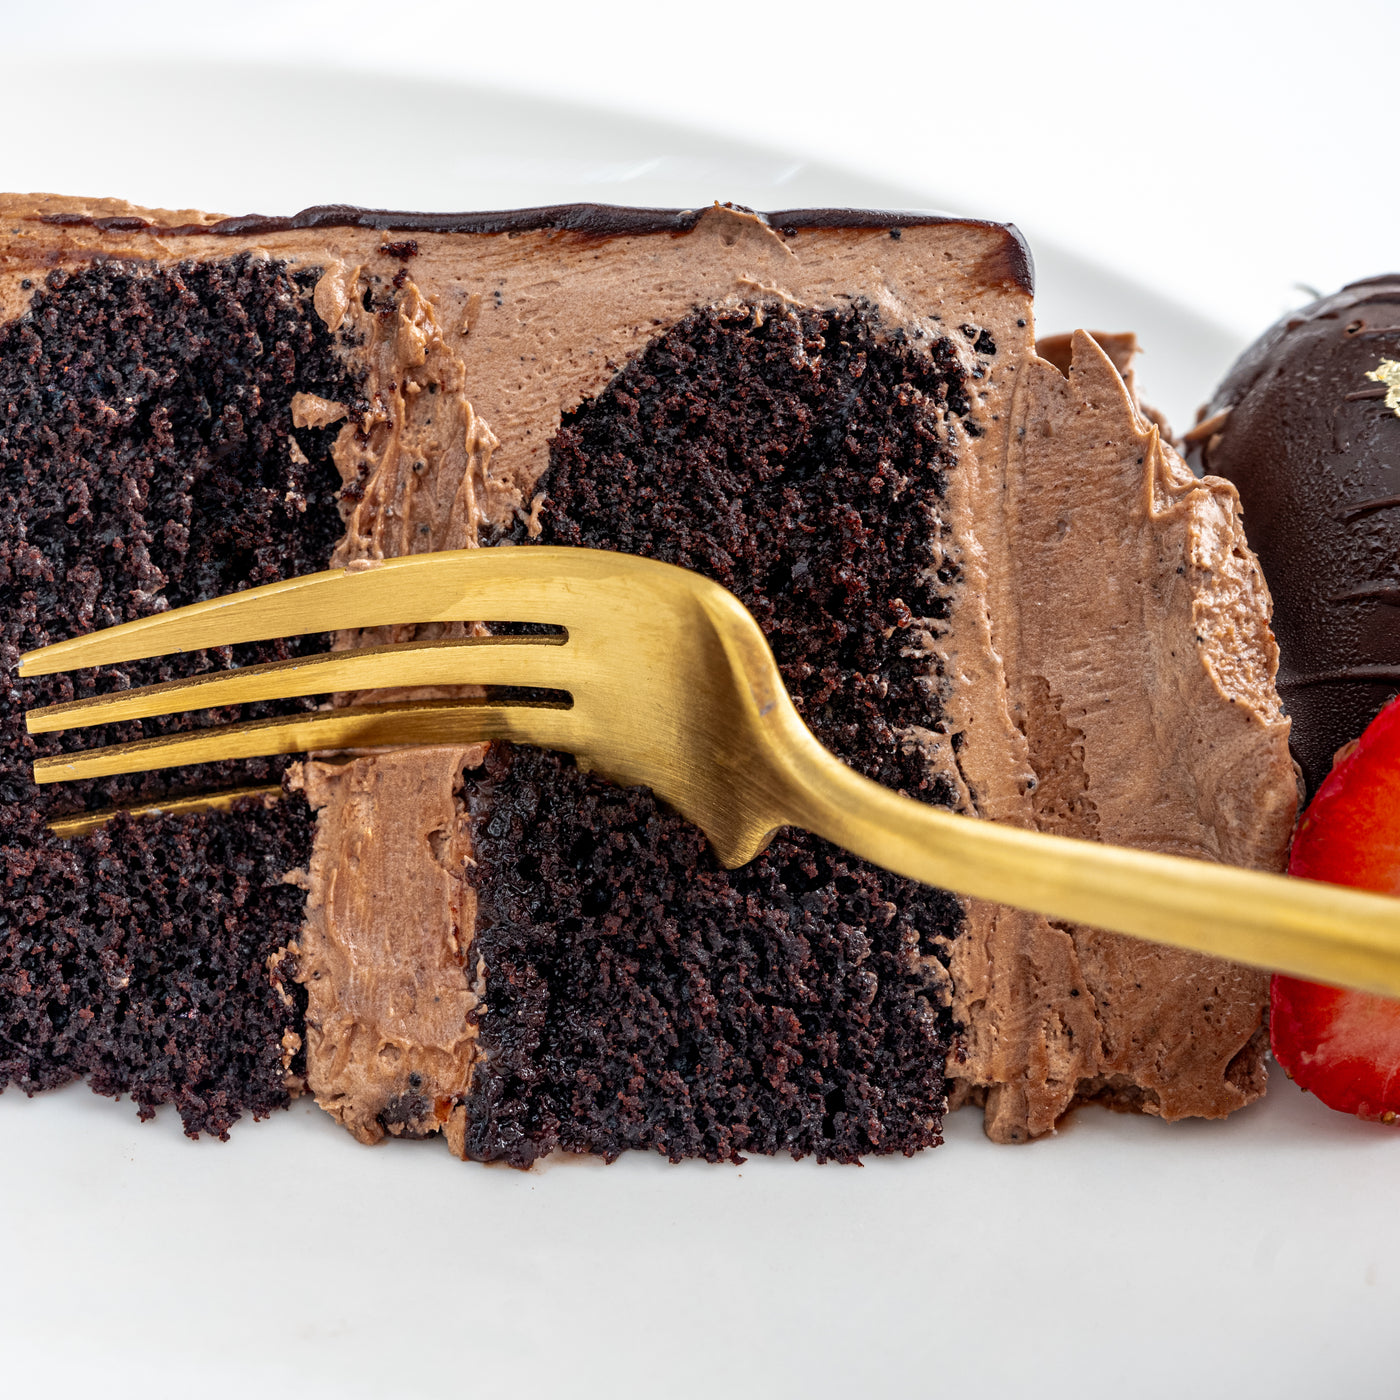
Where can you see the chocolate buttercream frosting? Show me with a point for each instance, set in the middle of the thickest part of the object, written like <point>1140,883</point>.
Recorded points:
<point>594,220</point>
<point>385,951</point>
<point>1131,622</point>
<point>1099,663</point>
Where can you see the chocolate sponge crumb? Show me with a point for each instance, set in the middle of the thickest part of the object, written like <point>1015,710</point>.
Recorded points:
<point>137,958</point>
<point>638,996</point>
<point>146,459</point>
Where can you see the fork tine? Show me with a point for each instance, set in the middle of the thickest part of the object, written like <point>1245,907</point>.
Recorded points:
<point>80,823</point>
<point>541,583</point>
<point>354,727</point>
<point>533,661</point>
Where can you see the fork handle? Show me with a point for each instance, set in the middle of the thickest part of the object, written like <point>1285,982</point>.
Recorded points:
<point>1326,933</point>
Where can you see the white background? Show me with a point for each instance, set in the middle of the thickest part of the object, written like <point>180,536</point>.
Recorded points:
<point>1220,152</point>
<point>1178,170</point>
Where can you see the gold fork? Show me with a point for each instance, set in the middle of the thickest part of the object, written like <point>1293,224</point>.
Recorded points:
<point>668,682</point>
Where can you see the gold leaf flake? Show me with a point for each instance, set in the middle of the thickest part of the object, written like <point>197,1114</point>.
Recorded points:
<point>1388,373</point>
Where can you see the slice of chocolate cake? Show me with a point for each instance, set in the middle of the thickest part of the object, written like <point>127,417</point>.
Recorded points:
<point>987,581</point>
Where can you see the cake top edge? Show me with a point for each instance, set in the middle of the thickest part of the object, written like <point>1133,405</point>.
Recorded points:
<point>587,220</point>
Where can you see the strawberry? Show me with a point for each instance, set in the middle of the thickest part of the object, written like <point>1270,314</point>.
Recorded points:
<point>1345,1046</point>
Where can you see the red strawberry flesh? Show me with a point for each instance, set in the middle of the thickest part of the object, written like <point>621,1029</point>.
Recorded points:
<point>1345,1046</point>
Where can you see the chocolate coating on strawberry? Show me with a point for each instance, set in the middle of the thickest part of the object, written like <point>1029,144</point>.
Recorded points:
<point>1307,426</point>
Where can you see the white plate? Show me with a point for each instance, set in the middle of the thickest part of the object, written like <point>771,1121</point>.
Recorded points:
<point>1124,1257</point>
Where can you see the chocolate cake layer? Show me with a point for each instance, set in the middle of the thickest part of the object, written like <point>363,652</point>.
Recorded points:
<point>1090,615</point>
<point>147,459</point>
<point>638,994</point>
<point>150,959</point>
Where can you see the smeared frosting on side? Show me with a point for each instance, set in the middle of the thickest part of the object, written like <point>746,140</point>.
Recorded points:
<point>1131,622</point>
